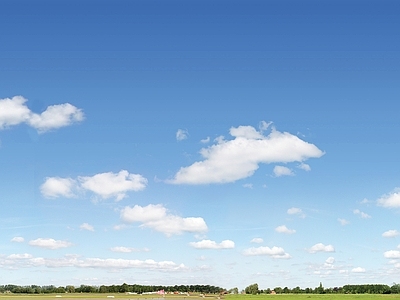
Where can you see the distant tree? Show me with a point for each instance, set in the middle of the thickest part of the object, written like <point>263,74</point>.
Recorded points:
<point>70,289</point>
<point>235,291</point>
<point>252,289</point>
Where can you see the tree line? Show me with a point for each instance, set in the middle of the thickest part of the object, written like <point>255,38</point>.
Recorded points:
<point>123,288</point>
<point>346,289</point>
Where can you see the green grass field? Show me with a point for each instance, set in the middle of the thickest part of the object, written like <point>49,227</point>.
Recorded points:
<point>227,297</point>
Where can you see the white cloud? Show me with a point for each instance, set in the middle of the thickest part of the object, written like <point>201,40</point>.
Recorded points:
<point>330,260</point>
<point>394,254</point>
<point>284,229</point>
<point>343,222</point>
<point>181,134</point>
<point>27,260</point>
<point>58,187</point>
<point>128,249</point>
<point>275,252</point>
<point>358,270</point>
<point>296,211</point>
<point>390,233</point>
<point>321,248</point>
<point>391,200</point>
<point>116,185</point>
<point>257,240</point>
<point>208,244</point>
<point>49,243</point>
<point>86,226</point>
<point>105,185</point>
<point>228,161</point>
<point>158,218</point>
<point>206,140</point>
<point>304,167</point>
<point>18,239</point>
<point>13,111</point>
<point>362,214</point>
<point>282,171</point>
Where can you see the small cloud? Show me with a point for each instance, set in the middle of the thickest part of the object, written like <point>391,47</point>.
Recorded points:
<point>257,240</point>
<point>284,229</point>
<point>49,243</point>
<point>390,233</point>
<point>120,226</point>
<point>181,134</point>
<point>343,222</point>
<point>361,214</point>
<point>264,125</point>
<point>393,254</point>
<point>205,141</point>
<point>390,200</point>
<point>358,270</point>
<point>86,226</point>
<point>296,211</point>
<point>158,218</point>
<point>54,187</point>
<point>18,239</point>
<point>248,185</point>
<point>128,249</point>
<point>208,244</point>
<point>330,260</point>
<point>304,167</point>
<point>282,171</point>
<point>274,252</point>
<point>321,248</point>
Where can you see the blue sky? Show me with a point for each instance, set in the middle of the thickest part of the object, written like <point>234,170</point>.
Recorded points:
<point>199,142</point>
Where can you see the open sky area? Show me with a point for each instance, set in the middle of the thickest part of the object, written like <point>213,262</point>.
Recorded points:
<point>200,142</point>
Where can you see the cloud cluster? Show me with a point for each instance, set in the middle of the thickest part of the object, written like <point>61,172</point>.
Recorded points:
<point>158,218</point>
<point>106,185</point>
<point>321,248</point>
<point>274,252</point>
<point>122,249</point>
<point>231,160</point>
<point>27,260</point>
<point>361,214</point>
<point>13,111</point>
<point>208,244</point>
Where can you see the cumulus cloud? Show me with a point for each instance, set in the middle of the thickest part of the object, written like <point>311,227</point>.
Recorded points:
<point>361,214</point>
<point>86,226</point>
<point>390,200</point>
<point>275,252</point>
<point>393,254</point>
<point>295,211</point>
<point>49,243</point>
<point>18,239</point>
<point>282,171</point>
<point>208,244</point>
<point>257,240</point>
<point>128,249</point>
<point>106,185</point>
<point>54,187</point>
<point>231,160</point>
<point>27,260</point>
<point>13,111</point>
<point>181,134</point>
<point>321,248</point>
<point>158,218</point>
<point>330,260</point>
<point>284,229</point>
<point>358,270</point>
<point>390,233</point>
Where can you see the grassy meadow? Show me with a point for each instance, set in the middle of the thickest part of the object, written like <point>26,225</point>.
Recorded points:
<point>94,296</point>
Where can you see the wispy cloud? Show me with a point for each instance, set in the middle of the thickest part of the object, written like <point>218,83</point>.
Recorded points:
<point>86,226</point>
<point>13,111</point>
<point>128,249</point>
<point>158,218</point>
<point>343,222</point>
<point>229,161</point>
<point>361,214</point>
